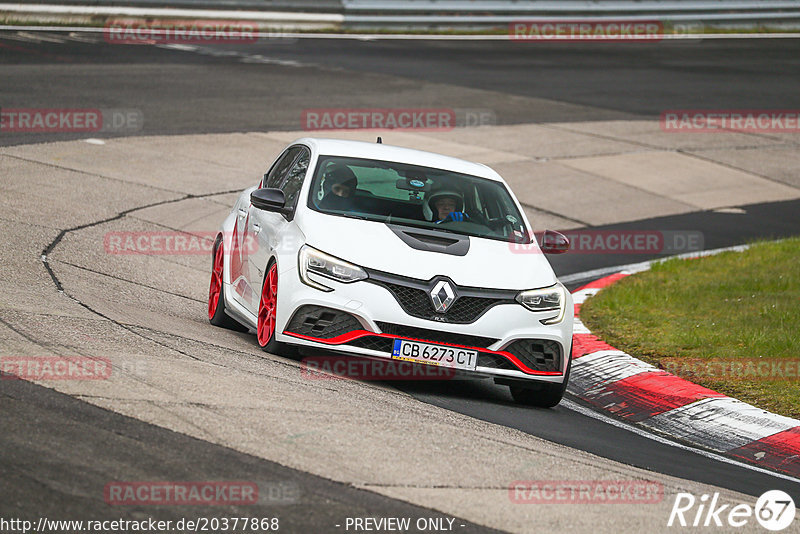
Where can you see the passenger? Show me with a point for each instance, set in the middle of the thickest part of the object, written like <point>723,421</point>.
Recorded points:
<point>446,205</point>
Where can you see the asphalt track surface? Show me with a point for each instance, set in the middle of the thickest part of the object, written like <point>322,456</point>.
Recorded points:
<point>242,88</point>
<point>183,91</point>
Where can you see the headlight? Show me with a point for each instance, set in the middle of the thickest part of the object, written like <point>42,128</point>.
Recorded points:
<point>551,298</point>
<point>317,262</point>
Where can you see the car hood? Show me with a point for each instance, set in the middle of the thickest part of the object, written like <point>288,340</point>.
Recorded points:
<point>489,263</point>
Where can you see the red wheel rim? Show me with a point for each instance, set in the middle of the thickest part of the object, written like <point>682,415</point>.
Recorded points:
<point>216,283</point>
<point>267,307</point>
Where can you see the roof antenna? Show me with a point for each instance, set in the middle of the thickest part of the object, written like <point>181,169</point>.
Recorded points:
<point>380,141</point>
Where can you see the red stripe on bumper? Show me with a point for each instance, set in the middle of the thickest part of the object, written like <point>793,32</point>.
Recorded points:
<point>355,334</point>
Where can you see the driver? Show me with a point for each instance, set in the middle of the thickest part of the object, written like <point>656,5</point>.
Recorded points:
<point>339,186</point>
<point>447,205</point>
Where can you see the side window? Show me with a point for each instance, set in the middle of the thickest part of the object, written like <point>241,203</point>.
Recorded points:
<point>281,167</point>
<point>294,180</point>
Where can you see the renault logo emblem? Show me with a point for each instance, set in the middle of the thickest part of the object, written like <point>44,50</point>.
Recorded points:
<point>442,296</point>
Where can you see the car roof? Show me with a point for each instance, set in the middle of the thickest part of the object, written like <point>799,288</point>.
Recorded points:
<point>380,151</point>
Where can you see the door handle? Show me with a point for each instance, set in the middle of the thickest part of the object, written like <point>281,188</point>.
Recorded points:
<point>242,213</point>
<point>256,228</point>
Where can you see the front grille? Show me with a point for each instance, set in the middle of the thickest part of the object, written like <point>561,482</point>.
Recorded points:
<point>538,354</point>
<point>435,336</point>
<point>417,303</point>
<point>321,322</point>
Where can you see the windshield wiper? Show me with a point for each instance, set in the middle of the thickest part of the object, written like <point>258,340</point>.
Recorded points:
<point>353,216</point>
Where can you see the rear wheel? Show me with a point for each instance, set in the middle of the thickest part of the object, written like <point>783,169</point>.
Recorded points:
<point>216,293</point>
<point>268,313</point>
<point>542,395</point>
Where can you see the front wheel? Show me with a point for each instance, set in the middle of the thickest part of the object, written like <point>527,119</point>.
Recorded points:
<point>544,395</point>
<point>268,314</point>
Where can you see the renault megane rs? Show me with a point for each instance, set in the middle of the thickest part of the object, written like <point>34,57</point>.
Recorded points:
<point>386,252</point>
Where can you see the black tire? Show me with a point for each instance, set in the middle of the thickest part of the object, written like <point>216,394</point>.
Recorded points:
<point>219,317</point>
<point>542,395</point>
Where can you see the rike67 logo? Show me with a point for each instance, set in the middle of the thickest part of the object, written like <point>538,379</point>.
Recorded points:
<point>774,510</point>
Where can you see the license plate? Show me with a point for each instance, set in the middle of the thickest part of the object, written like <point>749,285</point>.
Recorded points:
<point>413,351</point>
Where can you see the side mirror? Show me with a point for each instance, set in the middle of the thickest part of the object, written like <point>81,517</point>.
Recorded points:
<point>554,242</point>
<point>268,199</point>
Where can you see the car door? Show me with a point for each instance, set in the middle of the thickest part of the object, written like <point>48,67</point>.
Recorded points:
<point>244,242</point>
<point>239,248</point>
<point>264,226</point>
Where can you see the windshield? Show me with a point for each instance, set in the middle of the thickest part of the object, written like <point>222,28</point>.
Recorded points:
<point>410,195</point>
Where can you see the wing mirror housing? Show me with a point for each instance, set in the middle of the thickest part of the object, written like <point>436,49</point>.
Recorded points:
<point>268,199</point>
<point>554,242</point>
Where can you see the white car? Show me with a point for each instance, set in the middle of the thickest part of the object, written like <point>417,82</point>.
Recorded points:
<point>385,252</point>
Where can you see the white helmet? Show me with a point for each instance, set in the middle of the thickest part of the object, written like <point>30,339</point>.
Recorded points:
<point>428,208</point>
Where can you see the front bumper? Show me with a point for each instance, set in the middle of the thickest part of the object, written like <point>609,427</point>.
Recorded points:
<point>365,318</point>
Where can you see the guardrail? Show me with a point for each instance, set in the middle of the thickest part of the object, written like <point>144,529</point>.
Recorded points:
<point>500,12</point>
<point>446,13</point>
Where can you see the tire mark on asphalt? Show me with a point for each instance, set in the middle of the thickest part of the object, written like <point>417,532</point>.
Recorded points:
<point>29,338</point>
<point>104,177</point>
<point>121,279</point>
<point>54,243</point>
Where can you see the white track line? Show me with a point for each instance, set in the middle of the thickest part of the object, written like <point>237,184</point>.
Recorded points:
<point>574,406</point>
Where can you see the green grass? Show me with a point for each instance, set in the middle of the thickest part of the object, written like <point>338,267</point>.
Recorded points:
<point>734,306</point>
